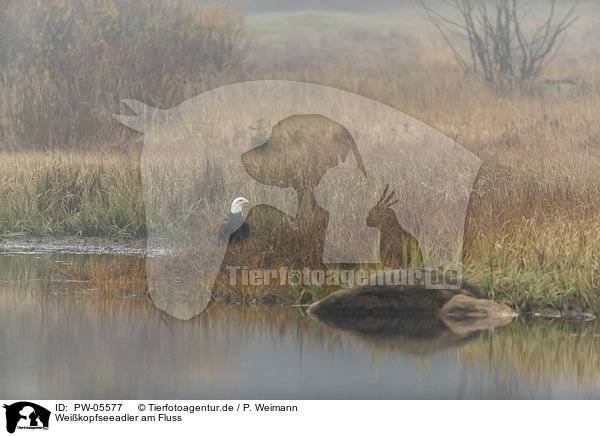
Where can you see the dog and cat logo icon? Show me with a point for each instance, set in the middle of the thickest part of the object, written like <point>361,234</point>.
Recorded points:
<point>26,415</point>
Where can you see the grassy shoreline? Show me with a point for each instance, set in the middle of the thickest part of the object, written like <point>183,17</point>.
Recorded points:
<point>529,292</point>
<point>532,237</point>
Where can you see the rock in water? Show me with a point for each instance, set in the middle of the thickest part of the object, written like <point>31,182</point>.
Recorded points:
<point>464,314</point>
<point>406,301</point>
<point>382,301</point>
<point>368,309</point>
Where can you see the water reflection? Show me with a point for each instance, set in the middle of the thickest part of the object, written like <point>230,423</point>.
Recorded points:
<point>412,336</point>
<point>61,336</point>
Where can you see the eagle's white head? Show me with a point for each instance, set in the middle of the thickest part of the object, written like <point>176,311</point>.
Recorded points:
<point>237,204</point>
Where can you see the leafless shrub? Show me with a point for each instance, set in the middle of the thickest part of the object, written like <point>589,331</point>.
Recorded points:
<point>500,48</point>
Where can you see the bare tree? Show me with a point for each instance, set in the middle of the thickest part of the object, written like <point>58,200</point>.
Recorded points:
<point>500,48</point>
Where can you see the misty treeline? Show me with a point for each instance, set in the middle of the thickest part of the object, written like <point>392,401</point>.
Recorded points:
<point>65,64</point>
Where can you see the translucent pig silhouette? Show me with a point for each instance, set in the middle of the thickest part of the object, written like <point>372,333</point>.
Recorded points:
<point>193,151</point>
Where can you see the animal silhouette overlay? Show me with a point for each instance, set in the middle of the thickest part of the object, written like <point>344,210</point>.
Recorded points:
<point>314,171</point>
<point>26,414</point>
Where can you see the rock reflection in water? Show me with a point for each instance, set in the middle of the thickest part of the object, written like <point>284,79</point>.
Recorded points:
<point>405,335</point>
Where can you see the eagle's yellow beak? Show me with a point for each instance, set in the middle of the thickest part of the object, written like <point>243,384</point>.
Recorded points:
<point>245,202</point>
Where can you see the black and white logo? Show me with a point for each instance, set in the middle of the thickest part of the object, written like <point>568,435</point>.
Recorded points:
<point>26,415</point>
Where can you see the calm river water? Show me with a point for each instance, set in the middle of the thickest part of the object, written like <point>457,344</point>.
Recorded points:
<point>62,337</point>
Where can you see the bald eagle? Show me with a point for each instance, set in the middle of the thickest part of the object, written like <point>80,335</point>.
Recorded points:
<point>235,227</point>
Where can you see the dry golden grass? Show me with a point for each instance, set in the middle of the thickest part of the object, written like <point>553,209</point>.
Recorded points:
<point>70,193</point>
<point>532,236</point>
